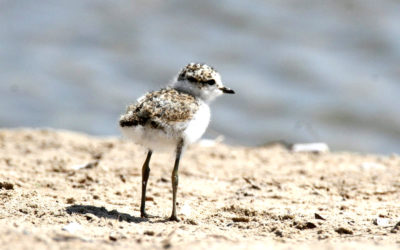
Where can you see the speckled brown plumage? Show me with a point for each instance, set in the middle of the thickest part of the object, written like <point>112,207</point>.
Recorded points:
<point>198,73</point>
<point>156,109</point>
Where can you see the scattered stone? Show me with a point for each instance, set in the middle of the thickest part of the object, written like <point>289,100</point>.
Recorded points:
<point>246,194</point>
<point>149,198</point>
<point>191,222</point>
<point>167,244</point>
<point>323,237</point>
<point>6,186</point>
<point>310,225</point>
<point>381,222</point>
<point>97,156</point>
<point>8,162</point>
<point>286,217</point>
<point>112,238</point>
<point>72,227</point>
<point>71,200</point>
<point>122,178</point>
<point>275,196</point>
<point>318,147</point>
<point>342,230</point>
<point>318,217</point>
<point>89,217</point>
<point>252,185</point>
<point>149,233</point>
<point>96,197</point>
<point>163,179</point>
<point>307,225</point>
<point>23,210</point>
<point>278,233</point>
<point>88,165</point>
<point>240,219</point>
<point>396,228</point>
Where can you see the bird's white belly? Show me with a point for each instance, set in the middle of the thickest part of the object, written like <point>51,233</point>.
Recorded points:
<point>154,139</point>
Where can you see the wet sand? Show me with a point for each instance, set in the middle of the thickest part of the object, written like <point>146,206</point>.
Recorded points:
<point>61,189</point>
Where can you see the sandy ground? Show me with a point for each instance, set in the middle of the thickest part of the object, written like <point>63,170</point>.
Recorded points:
<point>60,189</point>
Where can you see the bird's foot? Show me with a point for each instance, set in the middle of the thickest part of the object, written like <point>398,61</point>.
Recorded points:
<point>174,218</point>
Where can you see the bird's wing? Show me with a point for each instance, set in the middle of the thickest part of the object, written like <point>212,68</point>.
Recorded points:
<point>160,108</point>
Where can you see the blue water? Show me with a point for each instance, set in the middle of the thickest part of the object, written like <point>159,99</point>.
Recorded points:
<point>304,71</point>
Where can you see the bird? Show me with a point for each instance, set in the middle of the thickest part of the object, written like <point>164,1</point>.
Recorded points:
<point>172,118</point>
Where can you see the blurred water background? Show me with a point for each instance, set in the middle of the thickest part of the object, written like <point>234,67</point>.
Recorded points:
<point>303,70</point>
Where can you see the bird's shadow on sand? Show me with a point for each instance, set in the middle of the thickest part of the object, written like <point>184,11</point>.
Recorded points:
<point>102,212</point>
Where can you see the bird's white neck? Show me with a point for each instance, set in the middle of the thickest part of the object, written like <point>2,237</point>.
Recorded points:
<point>206,94</point>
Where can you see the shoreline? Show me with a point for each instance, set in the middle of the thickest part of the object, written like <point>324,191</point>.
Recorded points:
<point>68,189</point>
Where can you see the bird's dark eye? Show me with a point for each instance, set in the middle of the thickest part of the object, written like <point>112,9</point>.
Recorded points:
<point>210,82</point>
<point>191,79</point>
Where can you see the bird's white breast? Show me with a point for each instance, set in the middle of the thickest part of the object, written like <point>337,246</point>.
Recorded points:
<point>198,124</point>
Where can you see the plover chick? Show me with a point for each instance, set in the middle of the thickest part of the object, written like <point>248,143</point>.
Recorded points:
<point>173,118</point>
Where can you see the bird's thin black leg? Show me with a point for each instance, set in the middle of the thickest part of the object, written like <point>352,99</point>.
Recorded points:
<point>145,177</point>
<point>175,181</point>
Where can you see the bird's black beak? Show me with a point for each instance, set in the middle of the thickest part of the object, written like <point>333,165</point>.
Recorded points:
<point>227,90</point>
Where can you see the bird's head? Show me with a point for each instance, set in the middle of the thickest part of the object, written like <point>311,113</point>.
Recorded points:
<point>200,80</point>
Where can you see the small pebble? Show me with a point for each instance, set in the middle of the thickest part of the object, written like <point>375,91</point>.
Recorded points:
<point>318,147</point>
<point>342,230</point>
<point>318,217</point>
<point>381,222</point>
<point>240,219</point>
<point>307,225</point>
<point>192,222</point>
<point>396,228</point>
<point>86,165</point>
<point>70,200</point>
<point>6,185</point>
<point>149,233</point>
<point>72,227</point>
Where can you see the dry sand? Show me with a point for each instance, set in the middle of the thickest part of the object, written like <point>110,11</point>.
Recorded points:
<point>229,197</point>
